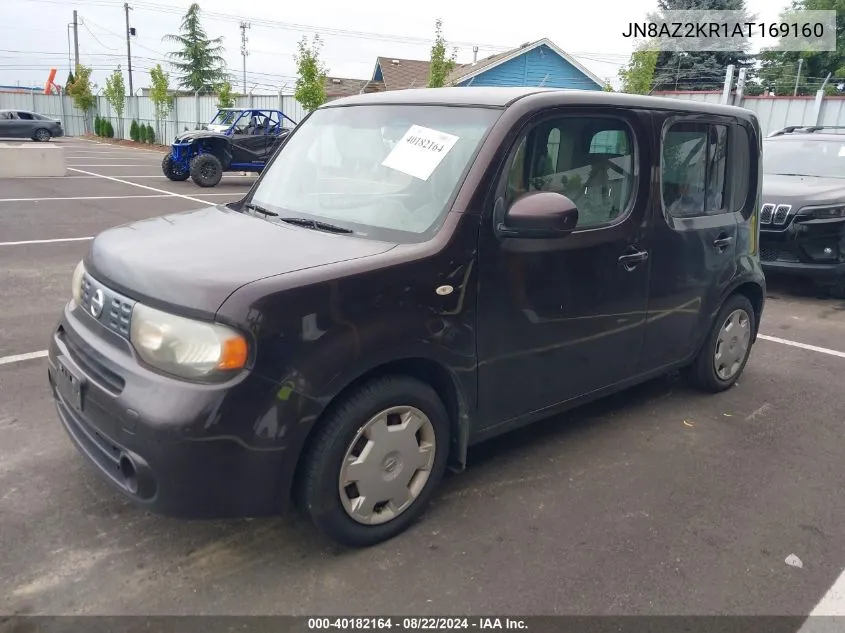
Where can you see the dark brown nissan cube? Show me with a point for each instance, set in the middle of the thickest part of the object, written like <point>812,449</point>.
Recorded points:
<point>414,272</point>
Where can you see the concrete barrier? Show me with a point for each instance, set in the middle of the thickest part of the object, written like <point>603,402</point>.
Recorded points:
<point>32,159</point>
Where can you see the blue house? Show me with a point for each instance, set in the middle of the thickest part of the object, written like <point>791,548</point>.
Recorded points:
<point>540,63</point>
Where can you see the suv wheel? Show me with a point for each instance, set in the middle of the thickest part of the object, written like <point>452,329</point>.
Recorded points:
<point>206,170</point>
<point>727,348</point>
<point>376,462</point>
<point>172,170</point>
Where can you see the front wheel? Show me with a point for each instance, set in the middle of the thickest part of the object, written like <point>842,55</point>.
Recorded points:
<point>173,170</point>
<point>206,170</point>
<point>376,462</point>
<point>727,348</point>
<point>41,135</point>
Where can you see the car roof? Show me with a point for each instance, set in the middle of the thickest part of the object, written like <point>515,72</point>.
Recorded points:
<point>807,136</point>
<point>503,97</point>
<point>247,110</point>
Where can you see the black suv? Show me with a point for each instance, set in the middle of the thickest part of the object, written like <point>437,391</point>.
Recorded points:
<point>414,272</point>
<point>802,217</point>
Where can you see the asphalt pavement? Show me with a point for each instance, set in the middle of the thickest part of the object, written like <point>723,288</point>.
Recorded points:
<point>660,500</point>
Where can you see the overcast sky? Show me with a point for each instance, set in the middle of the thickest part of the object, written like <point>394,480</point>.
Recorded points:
<point>34,33</point>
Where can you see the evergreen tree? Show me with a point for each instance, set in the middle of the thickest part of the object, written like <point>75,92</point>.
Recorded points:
<point>700,70</point>
<point>200,62</point>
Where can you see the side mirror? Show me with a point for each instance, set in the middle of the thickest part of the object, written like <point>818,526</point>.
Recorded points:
<point>540,214</point>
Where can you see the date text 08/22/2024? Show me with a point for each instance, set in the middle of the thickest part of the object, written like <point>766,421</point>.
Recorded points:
<point>414,624</point>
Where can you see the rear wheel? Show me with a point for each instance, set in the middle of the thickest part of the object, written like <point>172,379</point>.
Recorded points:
<point>206,170</point>
<point>173,170</point>
<point>376,462</point>
<point>727,348</point>
<point>41,135</point>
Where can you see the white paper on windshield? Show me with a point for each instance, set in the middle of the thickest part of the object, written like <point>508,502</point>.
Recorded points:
<point>420,151</point>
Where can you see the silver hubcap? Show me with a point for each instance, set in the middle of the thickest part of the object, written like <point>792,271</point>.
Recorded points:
<point>387,465</point>
<point>732,344</point>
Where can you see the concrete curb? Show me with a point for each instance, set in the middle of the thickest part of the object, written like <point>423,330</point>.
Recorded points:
<point>32,159</point>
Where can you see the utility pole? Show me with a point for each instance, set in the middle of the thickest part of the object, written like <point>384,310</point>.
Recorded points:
<point>798,77</point>
<point>126,8</point>
<point>75,39</point>
<point>244,52</point>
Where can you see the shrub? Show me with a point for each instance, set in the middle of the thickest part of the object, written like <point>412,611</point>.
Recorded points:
<point>151,135</point>
<point>109,130</point>
<point>97,122</point>
<point>134,133</point>
<point>142,133</point>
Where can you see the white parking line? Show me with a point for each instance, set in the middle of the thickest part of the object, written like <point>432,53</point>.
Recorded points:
<point>86,198</point>
<point>831,604</point>
<point>53,241</point>
<point>17,358</point>
<point>123,165</point>
<point>812,348</point>
<point>135,184</point>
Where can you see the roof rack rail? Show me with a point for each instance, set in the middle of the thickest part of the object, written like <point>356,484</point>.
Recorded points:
<point>809,129</point>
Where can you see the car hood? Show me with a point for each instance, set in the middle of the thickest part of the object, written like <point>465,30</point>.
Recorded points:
<point>191,135</point>
<point>801,191</point>
<point>193,261</point>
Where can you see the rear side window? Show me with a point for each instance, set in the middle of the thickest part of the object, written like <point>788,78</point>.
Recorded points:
<point>25,115</point>
<point>694,169</point>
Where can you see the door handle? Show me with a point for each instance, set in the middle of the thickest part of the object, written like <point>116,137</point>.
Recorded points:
<point>630,260</point>
<point>723,242</point>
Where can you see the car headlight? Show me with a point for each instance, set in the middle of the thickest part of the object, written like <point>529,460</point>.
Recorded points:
<point>185,347</point>
<point>76,283</point>
<point>824,213</point>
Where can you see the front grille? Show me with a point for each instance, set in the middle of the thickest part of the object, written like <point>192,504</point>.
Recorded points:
<point>766,213</point>
<point>768,254</point>
<point>115,310</point>
<point>781,214</point>
<point>91,363</point>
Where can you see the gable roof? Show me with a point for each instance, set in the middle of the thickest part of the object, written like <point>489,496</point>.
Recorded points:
<point>337,87</point>
<point>400,74</point>
<point>468,71</point>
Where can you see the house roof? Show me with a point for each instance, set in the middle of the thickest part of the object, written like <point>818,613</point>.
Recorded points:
<point>467,71</point>
<point>337,87</point>
<point>400,74</point>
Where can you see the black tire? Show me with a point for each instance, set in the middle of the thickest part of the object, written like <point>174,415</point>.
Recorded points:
<point>318,491</point>
<point>702,373</point>
<point>169,169</point>
<point>42,135</point>
<point>206,170</point>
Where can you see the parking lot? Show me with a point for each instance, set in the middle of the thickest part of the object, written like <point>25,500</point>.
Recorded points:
<point>660,500</point>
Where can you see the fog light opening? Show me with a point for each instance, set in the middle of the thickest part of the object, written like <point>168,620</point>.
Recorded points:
<point>130,477</point>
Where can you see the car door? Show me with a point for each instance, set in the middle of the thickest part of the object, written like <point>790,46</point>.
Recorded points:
<point>561,318</point>
<point>251,146</point>
<point>695,233</point>
<point>27,123</point>
<point>12,126</point>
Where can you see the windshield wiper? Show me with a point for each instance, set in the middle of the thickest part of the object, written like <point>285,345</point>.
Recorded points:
<point>259,209</point>
<point>316,224</point>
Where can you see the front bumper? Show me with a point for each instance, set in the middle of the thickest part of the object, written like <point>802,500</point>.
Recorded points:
<point>808,248</point>
<point>175,448</point>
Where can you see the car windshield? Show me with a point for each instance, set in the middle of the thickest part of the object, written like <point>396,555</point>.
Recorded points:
<point>819,158</point>
<point>387,170</point>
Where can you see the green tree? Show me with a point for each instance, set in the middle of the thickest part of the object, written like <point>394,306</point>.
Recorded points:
<point>151,134</point>
<point>109,129</point>
<point>441,65</point>
<point>310,74</point>
<point>142,133</point>
<point>199,61</point>
<point>779,69</point>
<point>133,130</point>
<point>160,94</point>
<point>638,76</point>
<point>69,80</point>
<point>97,124</point>
<point>700,70</point>
<point>225,98</point>
<point>115,94</point>
<point>80,92</point>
